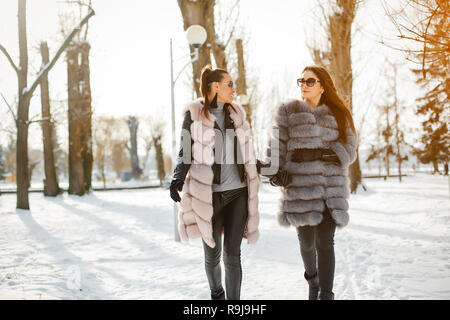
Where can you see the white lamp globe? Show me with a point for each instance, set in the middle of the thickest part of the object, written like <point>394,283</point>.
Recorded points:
<point>196,35</point>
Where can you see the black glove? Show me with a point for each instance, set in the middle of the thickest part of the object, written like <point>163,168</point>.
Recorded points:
<point>329,156</point>
<point>175,186</point>
<point>281,179</point>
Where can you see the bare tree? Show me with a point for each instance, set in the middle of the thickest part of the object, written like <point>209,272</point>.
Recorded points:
<point>383,148</point>
<point>133,125</point>
<point>120,161</point>
<point>155,134</point>
<point>10,155</point>
<point>391,132</point>
<point>399,135</point>
<point>336,56</point>
<point>80,115</point>
<point>109,146</point>
<point>120,157</point>
<point>51,187</point>
<point>241,83</point>
<point>2,162</point>
<point>25,93</point>
<point>103,139</point>
<point>423,26</point>
<point>34,158</point>
<point>146,137</point>
<point>374,152</point>
<point>224,27</point>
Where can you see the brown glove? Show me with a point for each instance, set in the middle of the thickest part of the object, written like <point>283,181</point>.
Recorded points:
<point>329,156</point>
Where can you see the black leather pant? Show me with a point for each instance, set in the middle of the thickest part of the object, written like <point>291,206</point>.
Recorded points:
<point>230,215</point>
<point>317,250</point>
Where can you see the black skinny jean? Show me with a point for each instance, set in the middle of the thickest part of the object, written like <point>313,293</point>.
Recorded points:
<point>317,250</point>
<point>230,215</point>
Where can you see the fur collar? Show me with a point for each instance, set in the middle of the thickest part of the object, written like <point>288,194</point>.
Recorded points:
<point>237,113</point>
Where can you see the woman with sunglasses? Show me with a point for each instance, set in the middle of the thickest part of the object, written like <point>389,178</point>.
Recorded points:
<point>218,180</point>
<point>316,143</point>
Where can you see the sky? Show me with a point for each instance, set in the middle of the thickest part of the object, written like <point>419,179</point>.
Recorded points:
<point>130,62</point>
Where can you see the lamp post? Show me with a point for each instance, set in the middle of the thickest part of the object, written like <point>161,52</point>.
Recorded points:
<point>196,36</point>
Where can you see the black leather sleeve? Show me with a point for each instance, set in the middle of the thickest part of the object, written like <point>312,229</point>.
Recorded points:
<point>182,168</point>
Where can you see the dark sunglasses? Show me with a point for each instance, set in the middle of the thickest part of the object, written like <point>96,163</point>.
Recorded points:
<point>310,82</point>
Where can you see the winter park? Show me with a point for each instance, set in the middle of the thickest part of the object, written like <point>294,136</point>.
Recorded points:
<point>213,149</point>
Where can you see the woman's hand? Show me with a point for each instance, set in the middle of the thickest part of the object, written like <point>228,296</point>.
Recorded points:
<point>281,179</point>
<point>260,164</point>
<point>175,186</point>
<point>329,156</point>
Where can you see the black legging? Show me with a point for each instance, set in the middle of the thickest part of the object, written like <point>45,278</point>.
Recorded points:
<point>319,239</point>
<point>230,214</point>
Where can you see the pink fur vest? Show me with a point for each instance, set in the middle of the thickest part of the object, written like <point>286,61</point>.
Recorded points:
<point>196,208</point>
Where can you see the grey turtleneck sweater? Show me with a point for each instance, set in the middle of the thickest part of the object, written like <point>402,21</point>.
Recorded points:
<point>229,174</point>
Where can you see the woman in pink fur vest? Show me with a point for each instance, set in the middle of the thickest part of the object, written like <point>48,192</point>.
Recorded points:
<point>217,175</point>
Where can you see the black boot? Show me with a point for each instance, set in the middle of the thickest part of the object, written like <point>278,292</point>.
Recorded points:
<point>324,295</point>
<point>218,295</point>
<point>313,283</point>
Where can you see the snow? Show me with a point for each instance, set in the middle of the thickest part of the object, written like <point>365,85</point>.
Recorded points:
<point>120,245</point>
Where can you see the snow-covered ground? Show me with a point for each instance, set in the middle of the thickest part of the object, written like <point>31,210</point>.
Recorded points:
<point>119,245</point>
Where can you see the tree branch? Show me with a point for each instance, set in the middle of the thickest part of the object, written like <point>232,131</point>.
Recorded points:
<point>2,49</point>
<point>39,120</point>
<point>48,66</point>
<point>10,109</point>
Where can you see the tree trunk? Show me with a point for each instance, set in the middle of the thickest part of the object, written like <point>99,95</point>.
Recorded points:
<point>399,138</point>
<point>340,24</point>
<point>397,141</point>
<point>80,114</point>
<point>218,48</point>
<point>51,187</point>
<point>241,83</point>
<point>387,164</point>
<point>387,135</point>
<point>22,113</point>
<point>22,155</point>
<point>104,179</point>
<point>159,158</point>
<point>86,107</point>
<point>76,174</point>
<point>133,125</point>
<point>435,166</point>
<point>380,160</point>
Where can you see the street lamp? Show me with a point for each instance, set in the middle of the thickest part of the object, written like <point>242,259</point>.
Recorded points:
<point>196,36</point>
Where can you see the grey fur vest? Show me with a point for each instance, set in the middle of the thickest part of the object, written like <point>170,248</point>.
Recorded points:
<point>314,183</point>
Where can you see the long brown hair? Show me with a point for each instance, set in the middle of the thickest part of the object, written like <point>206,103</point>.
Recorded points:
<point>333,100</point>
<point>207,77</point>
